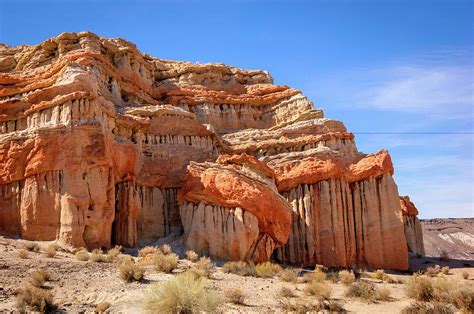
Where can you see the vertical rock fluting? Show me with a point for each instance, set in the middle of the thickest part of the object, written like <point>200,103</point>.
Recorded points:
<point>413,230</point>
<point>342,224</point>
<point>99,141</point>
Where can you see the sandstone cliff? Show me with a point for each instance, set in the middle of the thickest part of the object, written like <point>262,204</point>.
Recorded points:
<point>413,231</point>
<point>103,144</point>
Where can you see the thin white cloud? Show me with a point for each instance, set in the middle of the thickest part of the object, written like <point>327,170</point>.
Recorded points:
<point>423,89</point>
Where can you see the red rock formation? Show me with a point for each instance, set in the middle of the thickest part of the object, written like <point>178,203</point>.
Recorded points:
<point>413,230</point>
<point>239,188</point>
<point>99,142</point>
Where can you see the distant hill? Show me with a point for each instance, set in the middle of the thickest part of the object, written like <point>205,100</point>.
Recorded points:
<point>453,235</point>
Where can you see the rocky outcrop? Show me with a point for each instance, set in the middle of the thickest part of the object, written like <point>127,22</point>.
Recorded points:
<point>231,209</point>
<point>413,231</point>
<point>101,144</point>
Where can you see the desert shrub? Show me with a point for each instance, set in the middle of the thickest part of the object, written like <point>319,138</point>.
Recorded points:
<point>318,289</point>
<point>165,263</point>
<point>445,270</point>
<point>34,299</point>
<point>184,293</point>
<point>129,270</point>
<point>463,298</point>
<point>235,295</point>
<point>191,255</point>
<point>444,256</point>
<point>267,270</point>
<point>23,254</point>
<point>379,274</point>
<point>148,250</point>
<point>432,270</point>
<point>362,289</point>
<point>465,275</point>
<point>97,256</point>
<point>102,307</point>
<point>346,277</point>
<point>298,306</point>
<point>38,278</point>
<point>288,274</point>
<point>317,275</point>
<point>113,254</point>
<point>428,308</point>
<point>383,293</point>
<point>50,250</point>
<point>31,246</point>
<point>419,288</point>
<point>166,249</point>
<point>239,268</point>
<point>204,267</point>
<point>286,292</point>
<point>82,255</point>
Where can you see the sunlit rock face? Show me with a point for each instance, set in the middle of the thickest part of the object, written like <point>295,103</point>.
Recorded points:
<point>101,144</point>
<point>413,230</point>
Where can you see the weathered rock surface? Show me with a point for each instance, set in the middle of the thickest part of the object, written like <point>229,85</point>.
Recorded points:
<point>102,144</point>
<point>413,230</point>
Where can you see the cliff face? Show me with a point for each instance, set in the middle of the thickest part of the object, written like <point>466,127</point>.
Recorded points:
<point>413,230</point>
<point>102,144</point>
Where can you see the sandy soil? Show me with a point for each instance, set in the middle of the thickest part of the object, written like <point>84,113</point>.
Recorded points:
<point>80,286</point>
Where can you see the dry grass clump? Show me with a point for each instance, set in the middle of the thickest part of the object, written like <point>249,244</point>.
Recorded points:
<point>38,278</point>
<point>102,307</point>
<point>362,289</point>
<point>465,275</point>
<point>97,256</point>
<point>184,293</point>
<point>204,267</point>
<point>445,270</point>
<point>419,288</point>
<point>50,250</point>
<point>165,263</point>
<point>191,255</point>
<point>166,249</point>
<point>239,268</point>
<point>236,296</point>
<point>148,250</point>
<point>379,274</point>
<point>346,277</point>
<point>444,256</point>
<point>289,274</point>
<point>129,270</point>
<point>82,255</point>
<point>442,290</point>
<point>428,308</point>
<point>432,270</point>
<point>31,246</point>
<point>319,289</point>
<point>23,254</point>
<point>267,270</point>
<point>317,275</point>
<point>113,254</point>
<point>34,299</point>
<point>286,292</point>
<point>383,293</point>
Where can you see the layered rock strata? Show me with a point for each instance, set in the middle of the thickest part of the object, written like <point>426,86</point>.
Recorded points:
<point>413,230</point>
<point>101,144</point>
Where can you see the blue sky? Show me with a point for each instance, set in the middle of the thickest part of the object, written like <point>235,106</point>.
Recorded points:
<point>399,67</point>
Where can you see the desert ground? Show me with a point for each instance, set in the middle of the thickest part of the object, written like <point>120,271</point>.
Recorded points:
<point>79,286</point>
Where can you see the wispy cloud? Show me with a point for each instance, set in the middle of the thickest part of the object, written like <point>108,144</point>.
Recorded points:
<point>422,89</point>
